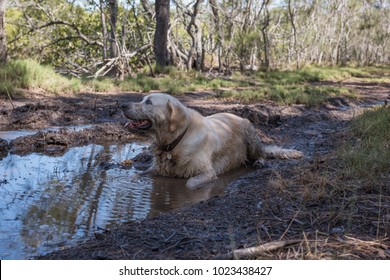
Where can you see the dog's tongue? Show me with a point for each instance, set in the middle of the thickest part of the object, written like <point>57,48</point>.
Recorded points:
<point>136,124</point>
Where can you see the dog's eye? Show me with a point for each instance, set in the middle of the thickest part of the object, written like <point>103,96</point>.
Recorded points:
<point>148,101</point>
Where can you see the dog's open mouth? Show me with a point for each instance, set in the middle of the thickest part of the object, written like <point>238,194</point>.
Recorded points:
<point>139,124</point>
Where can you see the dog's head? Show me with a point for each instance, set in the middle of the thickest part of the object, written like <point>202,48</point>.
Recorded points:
<point>156,112</point>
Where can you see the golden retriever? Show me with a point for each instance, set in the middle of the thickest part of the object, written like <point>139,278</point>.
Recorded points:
<point>189,145</point>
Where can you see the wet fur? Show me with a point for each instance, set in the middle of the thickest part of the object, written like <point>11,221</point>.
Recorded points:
<point>210,146</point>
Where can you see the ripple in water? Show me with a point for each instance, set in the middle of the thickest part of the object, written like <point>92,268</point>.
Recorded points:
<point>47,202</point>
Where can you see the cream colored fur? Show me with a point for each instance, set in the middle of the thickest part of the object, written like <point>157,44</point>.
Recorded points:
<point>209,145</point>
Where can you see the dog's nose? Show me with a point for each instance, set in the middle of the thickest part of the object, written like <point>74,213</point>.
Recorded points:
<point>125,106</point>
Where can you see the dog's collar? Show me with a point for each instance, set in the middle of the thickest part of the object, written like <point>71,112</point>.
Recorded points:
<point>171,146</point>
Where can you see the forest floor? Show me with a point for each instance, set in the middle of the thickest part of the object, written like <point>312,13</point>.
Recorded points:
<point>296,209</point>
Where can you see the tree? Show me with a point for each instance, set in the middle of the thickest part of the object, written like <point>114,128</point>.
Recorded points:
<point>292,16</point>
<point>113,5</point>
<point>3,43</point>
<point>264,29</point>
<point>219,30</point>
<point>161,33</point>
<point>104,28</point>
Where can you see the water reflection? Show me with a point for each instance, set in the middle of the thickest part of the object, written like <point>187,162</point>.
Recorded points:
<point>47,202</point>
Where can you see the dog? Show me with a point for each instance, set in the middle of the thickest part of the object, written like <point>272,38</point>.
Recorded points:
<point>188,145</point>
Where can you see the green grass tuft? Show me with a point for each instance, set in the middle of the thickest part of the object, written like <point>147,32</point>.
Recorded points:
<point>367,157</point>
<point>29,74</point>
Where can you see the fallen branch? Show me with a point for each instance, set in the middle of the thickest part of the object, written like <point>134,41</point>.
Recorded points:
<point>108,66</point>
<point>116,60</point>
<point>258,250</point>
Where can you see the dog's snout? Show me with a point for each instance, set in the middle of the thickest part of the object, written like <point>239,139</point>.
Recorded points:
<point>125,106</point>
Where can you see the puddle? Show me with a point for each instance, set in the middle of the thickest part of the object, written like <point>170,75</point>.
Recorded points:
<point>11,135</point>
<point>48,202</point>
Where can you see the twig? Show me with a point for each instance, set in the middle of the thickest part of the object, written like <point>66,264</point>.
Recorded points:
<point>94,103</point>
<point>289,225</point>
<point>306,242</point>
<point>10,99</point>
<point>180,242</point>
<point>113,111</point>
<point>169,237</point>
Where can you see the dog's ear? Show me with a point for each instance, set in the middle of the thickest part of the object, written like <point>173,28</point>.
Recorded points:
<point>176,115</point>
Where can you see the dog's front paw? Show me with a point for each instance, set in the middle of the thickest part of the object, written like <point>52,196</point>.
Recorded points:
<point>193,182</point>
<point>203,178</point>
<point>198,181</point>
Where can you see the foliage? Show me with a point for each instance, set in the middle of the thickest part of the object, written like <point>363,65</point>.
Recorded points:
<point>69,35</point>
<point>74,36</point>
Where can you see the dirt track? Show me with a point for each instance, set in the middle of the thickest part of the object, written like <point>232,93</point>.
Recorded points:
<point>252,211</point>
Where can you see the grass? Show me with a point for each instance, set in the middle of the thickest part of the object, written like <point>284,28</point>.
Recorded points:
<point>176,82</point>
<point>98,85</point>
<point>368,156</point>
<point>288,94</point>
<point>30,75</point>
<point>311,86</point>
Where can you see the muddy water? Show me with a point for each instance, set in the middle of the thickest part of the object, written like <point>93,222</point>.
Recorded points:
<point>49,202</point>
<point>11,135</point>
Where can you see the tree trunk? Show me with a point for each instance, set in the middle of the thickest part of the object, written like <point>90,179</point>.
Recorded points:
<point>113,4</point>
<point>104,29</point>
<point>199,48</point>
<point>266,64</point>
<point>219,30</point>
<point>196,38</point>
<point>3,43</point>
<point>291,13</point>
<point>264,32</point>
<point>161,33</point>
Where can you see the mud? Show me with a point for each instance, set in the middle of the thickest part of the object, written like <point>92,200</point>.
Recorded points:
<point>251,210</point>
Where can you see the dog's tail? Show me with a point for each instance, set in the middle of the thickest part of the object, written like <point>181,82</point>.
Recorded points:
<point>278,152</point>
<point>258,151</point>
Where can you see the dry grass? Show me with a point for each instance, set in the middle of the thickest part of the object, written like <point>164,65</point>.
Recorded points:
<point>325,247</point>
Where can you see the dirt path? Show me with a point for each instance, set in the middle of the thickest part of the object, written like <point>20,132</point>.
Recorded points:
<point>255,209</point>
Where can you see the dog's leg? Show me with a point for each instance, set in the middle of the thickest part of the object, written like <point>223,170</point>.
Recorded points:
<point>151,170</point>
<point>202,178</point>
